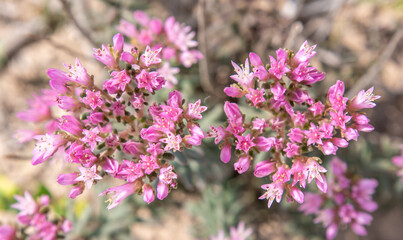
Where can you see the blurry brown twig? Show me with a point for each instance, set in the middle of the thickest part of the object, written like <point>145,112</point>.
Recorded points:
<point>203,70</point>
<point>70,15</point>
<point>66,49</point>
<point>373,71</point>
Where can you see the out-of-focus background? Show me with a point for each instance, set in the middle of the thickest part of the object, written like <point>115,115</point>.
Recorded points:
<point>358,41</point>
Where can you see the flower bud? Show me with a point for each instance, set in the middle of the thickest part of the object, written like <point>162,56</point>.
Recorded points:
<point>148,193</point>
<point>264,168</point>
<point>162,190</point>
<point>242,165</point>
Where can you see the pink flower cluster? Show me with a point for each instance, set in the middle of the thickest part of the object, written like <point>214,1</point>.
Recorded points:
<point>36,223</point>
<point>292,123</point>
<point>398,161</point>
<point>115,130</point>
<point>175,39</point>
<point>347,202</point>
<point>236,233</point>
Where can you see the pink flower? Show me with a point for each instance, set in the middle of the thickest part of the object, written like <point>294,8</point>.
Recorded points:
<point>93,99</point>
<point>77,73</point>
<point>291,150</point>
<point>188,58</point>
<point>256,96</point>
<point>105,56</point>
<point>243,76</point>
<point>364,99</point>
<point>45,147</point>
<point>168,73</point>
<point>245,143</point>
<point>181,36</point>
<point>119,80</point>
<point>91,137</point>
<point>172,141</point>
<point>240,233</point>
<point>273,191</point>
<point>167,175</point>
<point>314,135</point>
<point>264,144</point>
<point>88,175</point>
<point>317,109</point>
<point>234,91</point>
<point>311,204</point>
<point>194,110</point>
<point>149,80</point>
<point>121,192</point>
<point>127,29</point>
<point>162,190</point>
<point>118,42</point>
<point>25,204</point>
<point>131,171</point>
<point>149,163</point>
<point>70,124</point>
<point>296,135</point>
<point>282,175</point>
<point>67,179</point>
<point>150,57</point>
<point>39,110</point>
<point>278,68</point>
<point>305,53</point>
<point>7,233</point>
<point>335,96</point>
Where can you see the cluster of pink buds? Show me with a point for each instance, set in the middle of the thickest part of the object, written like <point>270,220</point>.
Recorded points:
<point>398,161</point>
<point>291,124</point>
<point>347,202</point>
<point>175,39</point>
<point>35,220</point>
<point>236,233</point>
<point>115,130</point>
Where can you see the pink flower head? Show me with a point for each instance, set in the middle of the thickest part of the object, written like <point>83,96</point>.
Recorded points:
<point>282,175</point>
<point>88,175</point>
<point>299,172</point>
<point>296,135</point>
<point>315,171</point>
<point>291,150</point>
<point>131,171</point>
<point>245,143</point>
<point>364,99</point>
<point>188,58</point>
<point>93,99</point>
<point>172,141</point>
<point>150,57</point>
<point>151,81</point>
<point>70,124</point>
<point>335,96</point>
<point>119,80</point>
<point>317,109</point>
<point>314,135</point>
<point>311,204</point>
<point>167,175</point>
<point>240,233</point>
<point>362,193</point>
<point>39,110</point>
<point>256,96</point>
<point>25,204</point>
<point>77,73</point>
<point>194,110</point>
<point>243,75</point>
<point>149,163</point>
<point>273,191</point>
<point>45,147</point>
<point>121,192</point>
<point>181,36</point>
<point>259,124</point>
<point>127,28</point>
<point>278,67</point>
<point>168,73</point>
<point>305,53</point>
<point>105,56</point>
<point>92,137</point>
